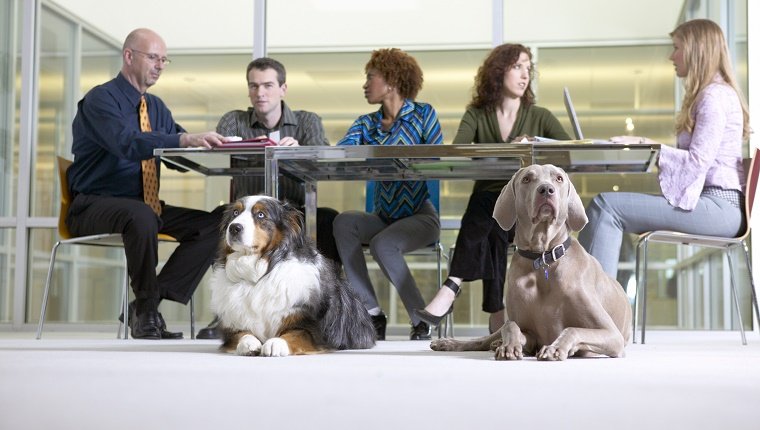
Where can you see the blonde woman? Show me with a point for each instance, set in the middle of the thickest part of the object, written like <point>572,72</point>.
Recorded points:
<point>701,178</point>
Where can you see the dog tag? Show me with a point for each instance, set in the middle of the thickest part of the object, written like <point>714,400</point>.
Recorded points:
<point>546,273</point>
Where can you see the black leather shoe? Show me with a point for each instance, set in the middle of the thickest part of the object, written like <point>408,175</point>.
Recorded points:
<point>145,326</point>
<point>420,331</point>
<point>379,322</point>
<point>211,331</point>
<point>166,334</point>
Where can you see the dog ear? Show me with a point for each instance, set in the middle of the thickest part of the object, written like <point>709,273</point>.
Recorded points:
<point>504,212</point>
<point>293,217</point>
<point>576,214</point>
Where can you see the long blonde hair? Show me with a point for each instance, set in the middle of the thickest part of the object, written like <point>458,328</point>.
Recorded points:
<point>705,54</point>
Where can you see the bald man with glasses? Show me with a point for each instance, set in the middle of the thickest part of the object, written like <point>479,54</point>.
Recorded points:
<point>114,183</point>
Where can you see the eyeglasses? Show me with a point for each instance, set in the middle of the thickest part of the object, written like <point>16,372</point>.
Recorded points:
<point>153,57</point>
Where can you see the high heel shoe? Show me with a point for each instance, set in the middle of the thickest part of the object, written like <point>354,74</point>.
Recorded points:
<point>435,320</point>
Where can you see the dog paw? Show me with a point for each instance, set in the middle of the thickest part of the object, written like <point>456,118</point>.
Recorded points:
<point>275,347</point>
<point>509,352</point>
<point>551,353</point>
<point>248,345</point>
<point>443,345</point>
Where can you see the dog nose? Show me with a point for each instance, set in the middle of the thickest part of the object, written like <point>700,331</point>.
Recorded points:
<point>235,228</point>
<point>546,190</point>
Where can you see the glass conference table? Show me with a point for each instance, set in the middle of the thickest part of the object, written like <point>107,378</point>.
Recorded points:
<point>312,164</point>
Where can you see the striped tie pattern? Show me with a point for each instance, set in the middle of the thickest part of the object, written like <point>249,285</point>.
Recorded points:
<point>149,174</point>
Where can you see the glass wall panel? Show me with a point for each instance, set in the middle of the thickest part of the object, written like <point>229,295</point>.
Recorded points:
<point>57,52</point>
<point>8,49</point>
<point>7,272</point>
<point>588,21</point>
<point>9,64</point>
<point>348,25</point>
<point>100,62</point>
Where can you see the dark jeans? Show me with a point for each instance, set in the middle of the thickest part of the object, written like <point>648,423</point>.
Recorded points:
<point>481,249</point>
<point>196,231</point>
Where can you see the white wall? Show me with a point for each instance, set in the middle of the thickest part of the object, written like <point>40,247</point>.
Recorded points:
<point>363,24</point>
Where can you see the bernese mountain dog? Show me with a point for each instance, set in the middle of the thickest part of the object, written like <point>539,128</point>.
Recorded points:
<point>274,294</point>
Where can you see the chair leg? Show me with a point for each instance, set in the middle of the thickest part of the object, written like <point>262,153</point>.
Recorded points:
<point>46,294</point>
<point>641,289</point>
<point>192,318</point>
<point>636,293</point>
<point>735,295</point>
<point>751,281</point>
<point>124,304</point>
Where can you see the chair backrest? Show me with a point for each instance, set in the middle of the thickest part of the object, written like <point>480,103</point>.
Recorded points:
<point>752,170</point>
<point>434,189</point>
<point>63,166</point>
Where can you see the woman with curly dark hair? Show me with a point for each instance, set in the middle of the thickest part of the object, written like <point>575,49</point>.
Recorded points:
<point>502,110</point>
<point>404,219</point>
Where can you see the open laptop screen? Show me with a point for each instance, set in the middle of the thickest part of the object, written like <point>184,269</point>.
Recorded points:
<point>573,117</point>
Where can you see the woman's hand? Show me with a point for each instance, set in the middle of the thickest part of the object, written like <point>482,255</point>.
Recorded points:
<point>630,140</point>
<point>523,139</point>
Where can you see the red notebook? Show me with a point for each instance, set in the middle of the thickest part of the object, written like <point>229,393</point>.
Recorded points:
<point>256,142</point>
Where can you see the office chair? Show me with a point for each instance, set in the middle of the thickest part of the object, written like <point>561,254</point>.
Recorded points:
<point>105,239</point>
<point>752,170</point>
<point>434,249</point>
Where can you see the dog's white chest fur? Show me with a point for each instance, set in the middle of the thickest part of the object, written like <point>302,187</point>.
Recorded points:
<point>246,299</point>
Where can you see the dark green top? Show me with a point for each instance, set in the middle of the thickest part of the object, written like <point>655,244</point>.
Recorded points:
<point>482,126</point>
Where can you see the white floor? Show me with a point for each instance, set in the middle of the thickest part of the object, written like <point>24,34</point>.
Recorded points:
<point>677,380</point>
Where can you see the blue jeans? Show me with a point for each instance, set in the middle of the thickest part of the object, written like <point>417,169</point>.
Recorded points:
<point>612,214</point>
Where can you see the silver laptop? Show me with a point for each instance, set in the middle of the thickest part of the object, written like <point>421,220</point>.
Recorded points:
<point>574,119</point>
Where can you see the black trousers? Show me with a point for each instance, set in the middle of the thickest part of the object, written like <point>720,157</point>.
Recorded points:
<point>325,240</point>
<point>196,231</point>
<point>481,249</point>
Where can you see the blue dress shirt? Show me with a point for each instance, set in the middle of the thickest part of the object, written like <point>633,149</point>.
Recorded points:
<point>108,144</point>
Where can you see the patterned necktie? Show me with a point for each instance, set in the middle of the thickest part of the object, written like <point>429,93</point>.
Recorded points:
<point>149,175</point>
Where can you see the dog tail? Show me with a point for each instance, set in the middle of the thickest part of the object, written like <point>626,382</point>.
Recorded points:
<point>346,323</point>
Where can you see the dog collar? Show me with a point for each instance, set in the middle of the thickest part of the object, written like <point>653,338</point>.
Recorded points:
<point>544,259</point>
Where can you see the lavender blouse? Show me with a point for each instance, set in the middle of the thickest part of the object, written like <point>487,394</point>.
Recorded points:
<point>711,155</point>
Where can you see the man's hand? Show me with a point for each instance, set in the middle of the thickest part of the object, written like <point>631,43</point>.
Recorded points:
<point>288,141</point>
<point>208,140</point>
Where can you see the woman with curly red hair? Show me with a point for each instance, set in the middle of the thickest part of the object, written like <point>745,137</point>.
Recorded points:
<point>502,110</point>
<point>404,219</point>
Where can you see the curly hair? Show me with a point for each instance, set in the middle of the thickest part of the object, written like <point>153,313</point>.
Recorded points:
<point>488,91</point>
<point>399,69</point>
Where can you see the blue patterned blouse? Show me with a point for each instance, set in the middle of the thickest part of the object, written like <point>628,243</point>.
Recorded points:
<point>416,124</point>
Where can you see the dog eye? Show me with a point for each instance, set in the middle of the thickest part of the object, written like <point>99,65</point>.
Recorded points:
<point>235,212</point>
<point>259,214</point>
<point>560,178</point>
<point>525,179</point>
